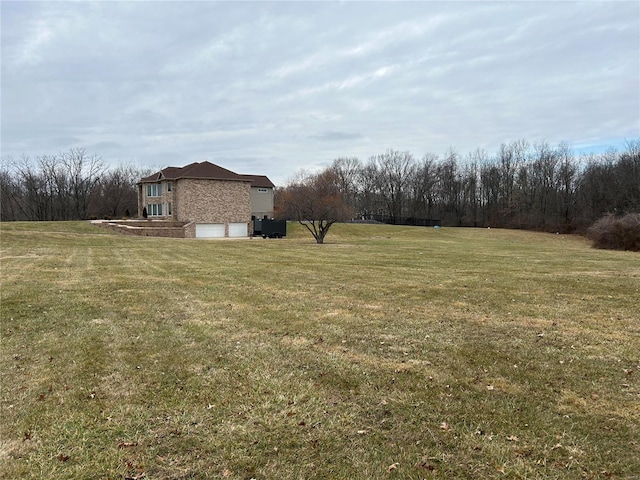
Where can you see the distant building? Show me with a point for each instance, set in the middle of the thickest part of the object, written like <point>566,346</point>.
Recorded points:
<point>214,201</point>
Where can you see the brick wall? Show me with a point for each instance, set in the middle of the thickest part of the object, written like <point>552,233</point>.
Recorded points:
<point>211,201</point>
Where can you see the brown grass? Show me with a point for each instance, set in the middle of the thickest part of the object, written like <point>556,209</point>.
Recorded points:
<point>389,352</point>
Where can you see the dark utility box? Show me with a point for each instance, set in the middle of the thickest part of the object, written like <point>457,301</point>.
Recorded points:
<point>267,227</point>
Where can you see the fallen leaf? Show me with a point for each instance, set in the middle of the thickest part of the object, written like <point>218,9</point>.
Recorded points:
<point>393,467</point>
<point>226,473</point>
<point>445,426</point>
<point>127,444</point>
<point>512,438</point>
<point>63,458</point>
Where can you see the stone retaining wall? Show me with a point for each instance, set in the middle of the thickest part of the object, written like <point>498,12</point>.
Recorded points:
<point>146,228</point>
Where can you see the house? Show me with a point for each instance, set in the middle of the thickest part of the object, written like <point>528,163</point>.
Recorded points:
<point>212,201</point>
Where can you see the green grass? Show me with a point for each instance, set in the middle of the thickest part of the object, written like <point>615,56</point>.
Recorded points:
<point>389,352</point>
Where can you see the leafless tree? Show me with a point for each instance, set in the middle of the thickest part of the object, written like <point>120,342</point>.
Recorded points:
<point>450,188</point>
<point>10,196</point>
<point>83,172</point>
<point>316,202</point>
<point>347,170</point>
<point>115,194</point>
<point>53,187</point>
<point>395,171</point>
<point>628,175</point>
<point>422,188</point>
<point>369,202</point>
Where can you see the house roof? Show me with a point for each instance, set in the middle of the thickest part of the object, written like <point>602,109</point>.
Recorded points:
<point>259,181</point>
<point>206,170</point>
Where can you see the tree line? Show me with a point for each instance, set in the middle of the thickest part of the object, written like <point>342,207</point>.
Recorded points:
<point>529,186</point>
<point>72,185</point>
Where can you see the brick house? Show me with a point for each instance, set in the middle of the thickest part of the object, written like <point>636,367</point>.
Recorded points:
<point>211,200</point>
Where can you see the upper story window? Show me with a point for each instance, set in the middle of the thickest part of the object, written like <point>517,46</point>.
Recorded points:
<point>263,190</point>
<point>168,186</point>
<point>154,190</point>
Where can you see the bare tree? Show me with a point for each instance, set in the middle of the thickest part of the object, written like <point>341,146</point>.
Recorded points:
<point>316,202</point>
<point>115,193</point>
<point>450,188</point>
<point>544,168</point>
<point>370,202</point>
<point>628,178</point>
<point>566,185</point>
<point>10,195</point>
<point>35,188</point>
<point>470,189</point>
<point>422,188</point>
<point>347,171</point>
<point>55,187</point>
<point>83,172</point>
<point>395,171</point>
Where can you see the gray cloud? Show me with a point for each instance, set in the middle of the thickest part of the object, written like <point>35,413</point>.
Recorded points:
<point>282,86</point>
<point>336,136</point>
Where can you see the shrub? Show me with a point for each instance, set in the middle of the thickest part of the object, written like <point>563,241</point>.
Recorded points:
<point>616,233</point>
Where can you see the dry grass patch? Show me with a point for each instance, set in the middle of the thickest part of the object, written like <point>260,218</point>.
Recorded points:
<point>389,352</point>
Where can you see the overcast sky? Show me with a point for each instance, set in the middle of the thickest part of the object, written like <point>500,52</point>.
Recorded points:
<point>274,87</point>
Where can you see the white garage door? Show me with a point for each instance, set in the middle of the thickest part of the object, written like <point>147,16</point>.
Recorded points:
<point>238,230</point>
<point>209,230</point>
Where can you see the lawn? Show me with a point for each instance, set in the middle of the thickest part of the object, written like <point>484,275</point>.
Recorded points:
<point>389,352</point>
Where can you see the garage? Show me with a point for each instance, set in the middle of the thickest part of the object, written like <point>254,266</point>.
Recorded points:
<point>210,230</point>
<point>238,230</point>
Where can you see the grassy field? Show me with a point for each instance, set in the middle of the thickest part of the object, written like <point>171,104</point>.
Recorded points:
<point>389,352</point>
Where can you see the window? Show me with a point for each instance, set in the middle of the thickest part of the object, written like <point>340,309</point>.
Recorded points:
<point>154,190</point>
<point>169,208</point>
<point>168,186</point>
<point>154,209</point>
<point>262,190</point>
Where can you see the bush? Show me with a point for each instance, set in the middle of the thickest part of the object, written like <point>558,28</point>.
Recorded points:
<point>616,233</point>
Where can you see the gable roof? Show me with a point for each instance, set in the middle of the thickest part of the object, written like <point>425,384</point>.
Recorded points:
<point>202,170</point>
